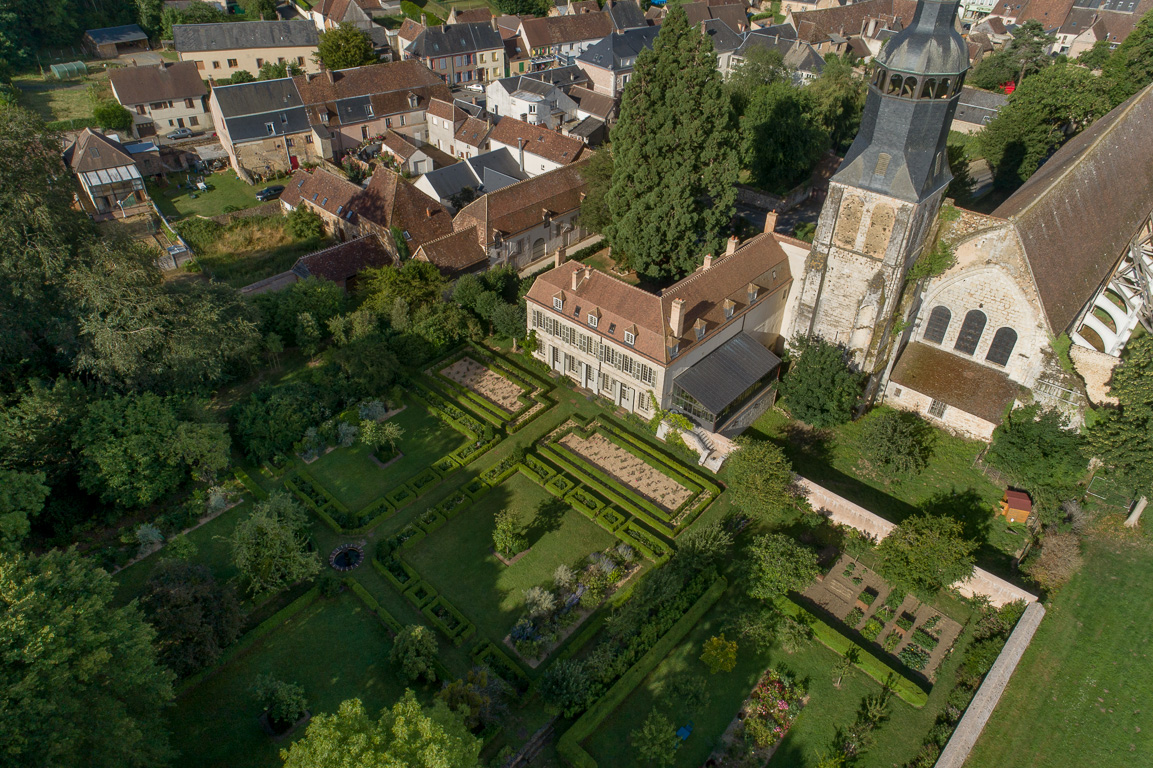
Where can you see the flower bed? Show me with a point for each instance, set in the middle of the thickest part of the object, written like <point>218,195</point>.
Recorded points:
<point>584,502</point>
<point>398,572</point>
<point>559,485</point>
<point>449,620</point>
<point>401,496</point>
<point>766,716</point>
<point>430,520</point>
<point>423,481</point>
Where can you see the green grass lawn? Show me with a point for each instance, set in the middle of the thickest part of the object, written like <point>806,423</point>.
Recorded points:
<point>1082,691</point>
<point>355,479</point>
<point>951,483</point>
<point>457,559</point>
<point>336,649</point>
<point>227,190</point>
<point>56,99</point>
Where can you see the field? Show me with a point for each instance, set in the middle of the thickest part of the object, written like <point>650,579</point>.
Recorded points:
<point>1084,684</point>
<point>247,250</point>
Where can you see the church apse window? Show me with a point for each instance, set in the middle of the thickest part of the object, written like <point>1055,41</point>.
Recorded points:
<point>938,324</point>
<point>1002,346</point>
<point>909,88</point>
<point>971,331</point>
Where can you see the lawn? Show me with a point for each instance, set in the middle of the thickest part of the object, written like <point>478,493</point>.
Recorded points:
<point>602,262</point>
<point>1084,685</point>
<point>245,251</point>
<point>457,559</point>
<point>336,649</point>
<point>55,99</point>
<point>227,189</point>
<point>950,484</point>
<point>357,480</point>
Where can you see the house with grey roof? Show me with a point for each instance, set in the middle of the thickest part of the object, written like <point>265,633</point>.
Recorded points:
<point>626,15</point>
<point>725,41</point>
<point>976,108</point>
<point>609,63</point>
<point>533,100</point>
<point>486,172</point>
<point>460,53</point>
<point>799,56</point>
<point>221,50</point>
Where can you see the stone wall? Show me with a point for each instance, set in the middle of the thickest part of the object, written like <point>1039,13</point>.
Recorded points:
<point>955,420</point>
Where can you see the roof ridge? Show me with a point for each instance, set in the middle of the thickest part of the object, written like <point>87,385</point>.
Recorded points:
<point>718,261</point>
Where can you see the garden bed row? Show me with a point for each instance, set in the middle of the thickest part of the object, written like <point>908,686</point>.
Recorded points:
<point>532,403</point>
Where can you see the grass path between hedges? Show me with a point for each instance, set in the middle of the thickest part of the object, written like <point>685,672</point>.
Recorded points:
<point>1083,693</point>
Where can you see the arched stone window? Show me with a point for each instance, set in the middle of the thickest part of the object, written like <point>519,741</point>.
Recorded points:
<point>879,77</point>
<point>894,84</point>
<point>909,88</point>
<point>943,88</point>
<point>928,88</point>
<point>1002,347</point>
<point>971,331</point>
<point>938,324</point>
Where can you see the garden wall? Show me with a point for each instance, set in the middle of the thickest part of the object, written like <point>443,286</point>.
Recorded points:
<point>982,706</point>
<point>844,512</point>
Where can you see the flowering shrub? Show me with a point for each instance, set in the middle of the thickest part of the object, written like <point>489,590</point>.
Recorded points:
<point>772,708</point>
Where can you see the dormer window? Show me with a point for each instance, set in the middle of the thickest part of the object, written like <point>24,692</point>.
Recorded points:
<point>675,348</point>
<point>630,338</point>
<point>576,312</point>
<point>730,307</point>
<point>406,235</point>
<point>368,110</point>
<point>412,100</point>
<point>557,303</point>
<point>324,116</point>
<point>592,320</point>
<point>753,289</point>
<point>271,128</point>
<point>699,327</point>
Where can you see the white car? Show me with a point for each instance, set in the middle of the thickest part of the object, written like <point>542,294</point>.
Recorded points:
<point>474,87</point>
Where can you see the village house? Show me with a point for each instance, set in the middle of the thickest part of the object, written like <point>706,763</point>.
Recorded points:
<point>609,63</point>
<point>108,175</point>
<point>593,105</point>
<point>871,22</point>
<point>471,138</point>
<point>454,254</point>
<point>703,347</point>
<point>330,14</point>
<point>460,54</point>
<point>523,223</point>
<point>471,16</point>
<point>558,40</point>
<point>444,119</point>
<point>276,125</point>
<point>486,172</point>
<point>800,57</point>
<point>537,149</point>
<point>563,8</point>
<point>626,15</point>
<point>407,156</point>
<point>976,108</point>
<point>162,97</point>
<point>221,50</point>
<point>530,98</point>
<point>340,264</point>
<point>399,213</point>
<point>326,194</point>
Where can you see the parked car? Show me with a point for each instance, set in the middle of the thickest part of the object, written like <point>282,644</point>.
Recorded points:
<point>269,193</point>
<point>474,87</point>
<point>179,133</point>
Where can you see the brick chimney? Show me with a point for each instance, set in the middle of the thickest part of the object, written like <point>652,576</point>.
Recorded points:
<point>579,276</point>
<point>731,248</point>
<point>708,262</point>
<point>560,256</point>
<point>428,212</point>
<point>771,222</point>
<point>677,317</point>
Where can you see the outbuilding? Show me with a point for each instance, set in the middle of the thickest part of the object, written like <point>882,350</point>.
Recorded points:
<point>110,42</point>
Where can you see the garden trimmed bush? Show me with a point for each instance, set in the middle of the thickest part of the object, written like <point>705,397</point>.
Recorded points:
<point>420,594</point>
<point>610,519</point>
<point>249,484</point>
<point>495,659</point>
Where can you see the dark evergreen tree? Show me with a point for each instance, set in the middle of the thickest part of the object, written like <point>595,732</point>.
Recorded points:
<point>195,617</point>
<point>1130,68</point>
<point>780,138</point>
<point>819,388</point>
<point>675,156</point>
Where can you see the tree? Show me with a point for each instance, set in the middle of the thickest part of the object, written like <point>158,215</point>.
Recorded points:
<point>265,8</point>
<point>241,76</point>
<point>269,547</point>
<point>1043,112</point>
<point>195,617</point>
<point>284,702</point>
<point>961,187</point>
<point>1130,67</point>
<point>837,99</point>
<point>844,665</point>
<point>1039,451</point>
<point>820,388</point>
<point>896,443</point>
<point>1024,56</point>
<point>273,418</point>
<point>794,633</point>
<point>418,283</point>
<point>148,14</point>
<point>271,71</point>
<point>703,546</point>
<point>781,140</point>
<point>1059,560</point>
<point>345,47</point>
<point>598,175</point>
<point>760,66</point>
<point>1095,57</point>
<point>687,694</point>
<point>509,321</point>
<point>760,478</point>
<point>507,537</point>
<point>305,223</point>
<point>719,654</point>
<point>675,156</point>
<point>565,687</point>
<point>378,434</point>
<point>655,742</point>
<point>480,699</point>
<point>414,653</point>
<point>72,659</point>
<point>137,448</point>
<point>281,310</point>
<point>110,116</point>
<point>524,7</point>
<point>22,496</point>
<point>405,736</point>
<point>775,565</point>
<point>926,553</point>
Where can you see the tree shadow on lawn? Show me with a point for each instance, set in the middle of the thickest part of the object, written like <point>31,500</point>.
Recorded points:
<point>549,515</point>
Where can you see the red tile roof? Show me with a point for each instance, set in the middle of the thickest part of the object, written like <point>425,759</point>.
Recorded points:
<point>446,110</point>
<point>560,30</point>
<point>473,132</point>
<point>454,253</point>
<point>523,205</point>
<point>322,189</point>
<point>162,82</point>
<point>389,201</point>
<point>340,262</point>
<point>537,140</point>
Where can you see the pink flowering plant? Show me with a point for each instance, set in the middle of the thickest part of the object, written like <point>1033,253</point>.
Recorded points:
<point>772,708</point>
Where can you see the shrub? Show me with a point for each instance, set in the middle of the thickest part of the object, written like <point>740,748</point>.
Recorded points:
<point>896,443</point>
<point>867,597</point>
<point>914,657</point>
<point>414,654</point>
<point>284,702</point>
<point>871,629</point>
<point>854,617</point>
<point>720,655</point>
<point>924,639</point>
<point>820,388</point>
<point>892,640</point>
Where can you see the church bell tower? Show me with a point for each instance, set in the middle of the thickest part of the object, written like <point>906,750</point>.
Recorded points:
<point>884,199</point>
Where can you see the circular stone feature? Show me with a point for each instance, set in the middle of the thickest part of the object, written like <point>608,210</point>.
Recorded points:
<point>346,557</point>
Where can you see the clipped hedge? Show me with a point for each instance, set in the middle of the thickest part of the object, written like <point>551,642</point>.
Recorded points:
<point>410,575</point>
<point>420,594</point>
<point>257,632</point>
<point>569,747</point>
<point>646,542</point>
<point>463,628</point>
<point>610,519</point>
<point>868,663</point>
<point>375,513</point>
<point>389,620</point>
<point>401,496</point>
<point>430,520</point>
<point>249,484</point>
<point>503,666</point>
<point>582,500</point>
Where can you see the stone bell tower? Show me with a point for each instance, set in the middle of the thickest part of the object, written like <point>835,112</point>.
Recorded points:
<point>884,199</point>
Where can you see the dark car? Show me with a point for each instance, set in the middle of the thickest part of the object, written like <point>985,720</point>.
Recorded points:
<point>269,193</point>
<point>179,133</point>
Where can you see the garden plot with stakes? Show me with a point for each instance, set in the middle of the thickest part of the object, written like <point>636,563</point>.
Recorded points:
<point>913,634</point>
<point>491,387</point>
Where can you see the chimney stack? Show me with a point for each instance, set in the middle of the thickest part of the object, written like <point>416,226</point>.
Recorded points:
<point>560,256</point>
<point>734,241</point>
<point>771,222</point>
<point>708,262</point>
<point>677,317</point>
<point>424,20</point>
<point>579,275</point>
<point>520,149</point>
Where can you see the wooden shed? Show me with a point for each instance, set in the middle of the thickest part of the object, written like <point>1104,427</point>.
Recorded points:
<point>1016,506</point>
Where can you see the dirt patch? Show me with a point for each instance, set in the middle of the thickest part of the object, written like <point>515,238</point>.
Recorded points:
<point>626,468</point>
<point>486,383</point>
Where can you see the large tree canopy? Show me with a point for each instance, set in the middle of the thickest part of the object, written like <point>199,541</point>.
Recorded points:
<point>1123,437</point>
<point>194,616</point>
<point>819,388</point>
<point>781,139</point>
<point>79,681</point>
<point>776,564</point>
<point>926,553</point>
<point>759,477</point>
<point>675,156</point>
<point>345,47</point>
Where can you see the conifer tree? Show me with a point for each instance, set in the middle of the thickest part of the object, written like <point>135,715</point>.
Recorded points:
<point>675,156</point>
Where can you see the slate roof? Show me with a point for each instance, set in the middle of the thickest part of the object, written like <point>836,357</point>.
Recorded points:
<point>724,39</point>
<point>957,381</point>
<point>389,201</point>
<point>248,108</point>
<point>978,107</point>
<point>127,33</point>
<point>488,171</point>
<point>560,30</point>
<point>93,151</point>
<point>454,39</point>
<point>453,253</point>
<point>723,375</point>
<point>522,205</point>
<point>619,51</point>
<point>797,54</point>
<point>473,132</point>
<point>593,103</point>
<point>237,35</point>
<point>733,14</point>
<point>157,82</point>
<point>1076,215</point>
<point>626,14</point>
<point>538,140</point>
<point>325,190</point>
<point>340,262</point>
